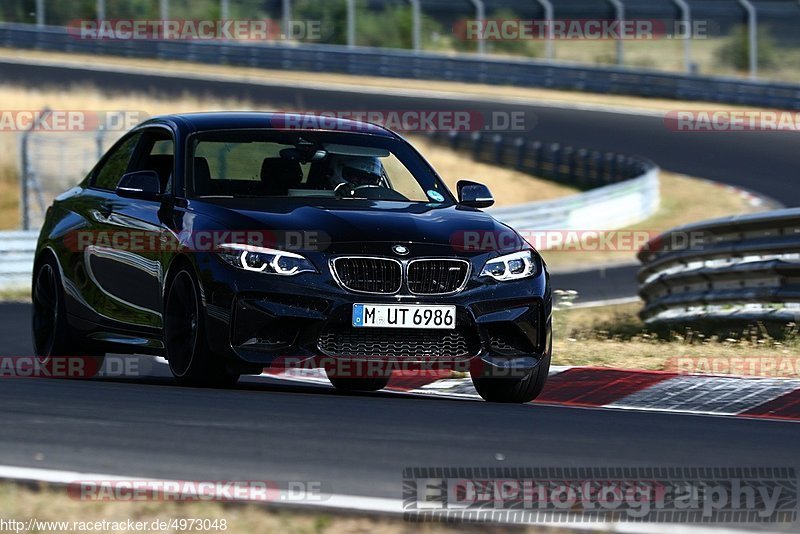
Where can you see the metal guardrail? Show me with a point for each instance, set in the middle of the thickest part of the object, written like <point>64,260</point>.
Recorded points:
<point>739,269</point>
<point>420,65</point>
<point>621,190</point>
<point>16,258</point>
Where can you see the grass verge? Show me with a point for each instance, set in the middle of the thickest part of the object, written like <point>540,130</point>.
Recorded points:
<point>47,503</point>
<point>614,336</point>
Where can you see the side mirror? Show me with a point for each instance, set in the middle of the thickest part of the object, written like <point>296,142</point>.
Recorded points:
<point>140,184</point>
<point>474,194</point>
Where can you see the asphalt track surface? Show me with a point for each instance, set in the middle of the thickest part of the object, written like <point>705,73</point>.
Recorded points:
<point>354,445</point>
<point>764,162</point>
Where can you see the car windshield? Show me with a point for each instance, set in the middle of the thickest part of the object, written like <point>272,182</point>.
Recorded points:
<point>315,165</point>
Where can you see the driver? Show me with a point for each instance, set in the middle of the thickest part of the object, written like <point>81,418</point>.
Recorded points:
<point>355,171</point>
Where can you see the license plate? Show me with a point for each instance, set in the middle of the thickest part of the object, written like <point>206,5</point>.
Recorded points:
<point>404,316</point>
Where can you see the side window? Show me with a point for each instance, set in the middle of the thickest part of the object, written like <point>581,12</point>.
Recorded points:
<point>115,165</point>
<point>156,153</point>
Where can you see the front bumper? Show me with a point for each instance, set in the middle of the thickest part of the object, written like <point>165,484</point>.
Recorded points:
<point>258,320</point>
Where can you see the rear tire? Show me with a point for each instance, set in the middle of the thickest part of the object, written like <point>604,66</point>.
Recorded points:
<point>191,361</point>
<point>52,335</point>
<point>510,389</point>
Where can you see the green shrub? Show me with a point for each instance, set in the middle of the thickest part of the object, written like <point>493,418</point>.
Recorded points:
<point>735,51</point>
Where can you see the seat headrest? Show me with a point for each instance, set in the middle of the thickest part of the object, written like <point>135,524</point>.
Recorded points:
<point>279,175</point>
<point>202,176</point>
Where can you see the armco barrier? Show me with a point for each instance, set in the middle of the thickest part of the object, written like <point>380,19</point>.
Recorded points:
<point>621,190</point>
<point>16,258</point>
<point>423,66</point>
<point>737,269</point>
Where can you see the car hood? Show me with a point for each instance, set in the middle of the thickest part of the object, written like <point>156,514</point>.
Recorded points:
<point>359,223</point>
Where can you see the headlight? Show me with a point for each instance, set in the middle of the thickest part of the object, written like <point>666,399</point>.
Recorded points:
<point>265,260</point>
<point>512,266</point>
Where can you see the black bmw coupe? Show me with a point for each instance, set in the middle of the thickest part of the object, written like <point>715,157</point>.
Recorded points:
<point>232,242</point>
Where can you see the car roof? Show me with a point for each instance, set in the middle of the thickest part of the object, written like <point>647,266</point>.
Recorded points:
<point>199,122</point>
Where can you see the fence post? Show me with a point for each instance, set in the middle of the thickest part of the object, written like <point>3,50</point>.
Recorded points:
<point>519,143</point>
<point>351,23</point>
<point>286,14</point>
<point>23,204</point>
<point>547,6</point>
<point>538,154</point>
<point>477,145</point>
<point>26,178</point>
<point>688,33</point>
<point>608,167</point>
<point>568,158</point>
<point>40,18</point>
<point>583,176</point>
<point>99,142</point>
<point>454,139</point>
<point>619,15</point>
<point>480,14</point>
<point>498,148</point>
<point>752,35</point>
<point>557,161</point>
<point>416,21</point>
<point>553,150</point>
<point>163,9</point>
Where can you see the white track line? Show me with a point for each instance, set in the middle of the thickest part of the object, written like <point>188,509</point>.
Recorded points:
<point>345,503</point>
<point>607,302</point>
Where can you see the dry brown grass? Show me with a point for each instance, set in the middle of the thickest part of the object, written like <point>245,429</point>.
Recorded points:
<point>9,191</point>
<point>683,200</point>
<point>53,504</point>
<point>614,336</point>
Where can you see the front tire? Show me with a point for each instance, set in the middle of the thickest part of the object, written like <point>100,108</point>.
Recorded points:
<point>493,387</point>
<point>191,361</point>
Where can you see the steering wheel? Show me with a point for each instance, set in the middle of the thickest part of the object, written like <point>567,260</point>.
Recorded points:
<point>379,192</point>
<point>348,190</point>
